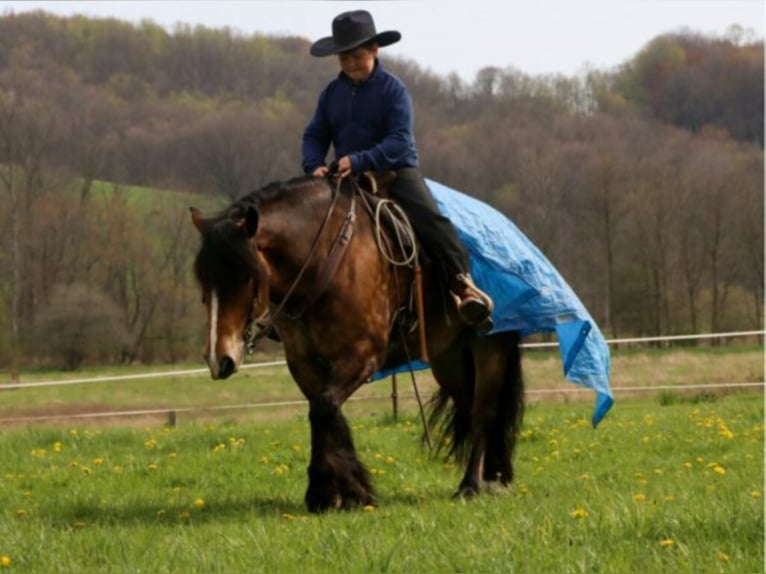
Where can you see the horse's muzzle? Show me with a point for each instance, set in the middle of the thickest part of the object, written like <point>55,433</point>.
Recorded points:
<point>222,369</point>
<point>226,368</point>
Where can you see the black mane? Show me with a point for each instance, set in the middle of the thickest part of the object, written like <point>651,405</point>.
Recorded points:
<point>273,191</point>
<point>225,260</point>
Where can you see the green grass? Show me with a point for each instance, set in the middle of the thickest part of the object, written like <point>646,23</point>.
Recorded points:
<point>676,488</point>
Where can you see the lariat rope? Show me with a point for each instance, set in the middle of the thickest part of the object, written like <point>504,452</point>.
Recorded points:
<point>396,213</point>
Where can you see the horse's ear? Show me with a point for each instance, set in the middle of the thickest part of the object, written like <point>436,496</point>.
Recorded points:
<point>251,221</point>
<point>198,221</point>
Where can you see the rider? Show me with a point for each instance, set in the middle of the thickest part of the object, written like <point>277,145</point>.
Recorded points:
<point>366,114</point>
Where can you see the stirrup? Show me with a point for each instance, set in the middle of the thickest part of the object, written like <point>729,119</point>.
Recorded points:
<point>473,305</point>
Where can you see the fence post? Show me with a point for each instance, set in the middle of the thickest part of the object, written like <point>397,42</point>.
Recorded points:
<point>395,396</point>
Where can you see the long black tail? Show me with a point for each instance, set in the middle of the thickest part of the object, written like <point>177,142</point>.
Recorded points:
<point>451,408</point>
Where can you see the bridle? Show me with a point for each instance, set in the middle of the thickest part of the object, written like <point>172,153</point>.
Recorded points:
<point>261,323</point>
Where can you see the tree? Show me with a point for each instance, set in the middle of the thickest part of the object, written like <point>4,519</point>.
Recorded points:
<point>80,323</point>
<point>26,130</point>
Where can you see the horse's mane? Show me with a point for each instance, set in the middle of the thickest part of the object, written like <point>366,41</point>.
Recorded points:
<point>225,259</point>
<point>276,190</point>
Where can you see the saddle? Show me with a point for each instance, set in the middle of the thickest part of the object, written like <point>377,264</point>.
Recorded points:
<point>375,186</point>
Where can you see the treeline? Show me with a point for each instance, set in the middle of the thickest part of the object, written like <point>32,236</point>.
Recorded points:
<point>643,185</point>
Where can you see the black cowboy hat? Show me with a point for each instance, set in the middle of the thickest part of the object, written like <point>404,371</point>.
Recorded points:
<point>350,30</point>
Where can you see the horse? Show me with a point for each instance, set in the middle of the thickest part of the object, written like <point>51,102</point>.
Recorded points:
<point>303,257</point>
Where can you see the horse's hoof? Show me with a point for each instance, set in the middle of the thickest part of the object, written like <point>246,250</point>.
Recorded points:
<point>466,493</point>
<point>357,501</point>
<point>497,487</point>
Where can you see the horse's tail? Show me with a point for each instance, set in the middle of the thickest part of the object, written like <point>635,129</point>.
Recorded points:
<point>451,415</point>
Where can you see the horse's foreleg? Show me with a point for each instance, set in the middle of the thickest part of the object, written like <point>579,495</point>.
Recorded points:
<point>337,479</point>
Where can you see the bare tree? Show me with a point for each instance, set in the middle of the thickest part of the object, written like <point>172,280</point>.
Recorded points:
<point>25,129</point>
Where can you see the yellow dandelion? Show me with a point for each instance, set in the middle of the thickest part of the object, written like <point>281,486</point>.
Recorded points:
<point>389,460</point>
<point>21,513</point>
<point>723,557</point>
<point>85,470</point>
<point>151,467</point>
<point>369,508</point>
<point>5,561</point>
<point>219,447</point>
<point>578,513</point>
<point>639,497</point>
<point>199,504</point>
<point>98,460</point>
<point>688,465</point>
<point>150,443</point>
<point>523,488</point>
<point>667,542</point>
<point>755,493</point>
<point>184,515</point>
<point>657,471</point>
<point>669,498</point>
<point>56,446</point>
<point>172,455</point>
<point>73,433</point>
<point>296,448</point>
<point>719,470</point>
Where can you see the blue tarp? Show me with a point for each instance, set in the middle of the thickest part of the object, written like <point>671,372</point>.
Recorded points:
<point>529,294</point>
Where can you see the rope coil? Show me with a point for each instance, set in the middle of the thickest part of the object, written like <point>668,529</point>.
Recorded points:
<point>397,214</point>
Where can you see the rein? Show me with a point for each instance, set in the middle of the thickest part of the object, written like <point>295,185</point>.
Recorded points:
<point>337,249</point>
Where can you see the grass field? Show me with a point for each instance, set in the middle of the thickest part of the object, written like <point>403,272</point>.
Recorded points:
<point>670,482</point>
<point>675,488</point>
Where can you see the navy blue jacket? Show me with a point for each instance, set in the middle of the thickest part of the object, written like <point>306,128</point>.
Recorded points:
<point>371,121</point>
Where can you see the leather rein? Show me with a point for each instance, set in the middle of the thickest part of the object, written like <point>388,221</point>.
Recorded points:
<point>261,325</point>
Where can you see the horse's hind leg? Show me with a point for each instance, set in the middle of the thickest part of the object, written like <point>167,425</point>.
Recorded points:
<point>501,437</point>
<point>495,412</point>
<point>337,479</point>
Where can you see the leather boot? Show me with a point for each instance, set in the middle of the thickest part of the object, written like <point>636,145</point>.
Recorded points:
<point>473,305</point>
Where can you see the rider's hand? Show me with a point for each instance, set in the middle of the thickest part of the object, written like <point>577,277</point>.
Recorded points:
<point>321,171</point>
<point>344,166</point>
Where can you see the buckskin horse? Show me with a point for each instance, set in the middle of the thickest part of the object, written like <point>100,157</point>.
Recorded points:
<point>303,255</point>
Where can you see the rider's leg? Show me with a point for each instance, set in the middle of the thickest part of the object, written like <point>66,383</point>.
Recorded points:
<point>440,240</point>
